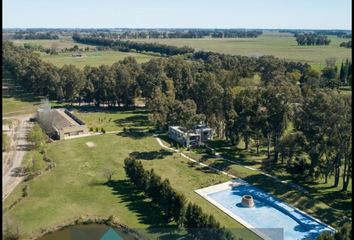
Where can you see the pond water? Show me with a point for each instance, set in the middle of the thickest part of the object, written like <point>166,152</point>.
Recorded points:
<point>88,232</point>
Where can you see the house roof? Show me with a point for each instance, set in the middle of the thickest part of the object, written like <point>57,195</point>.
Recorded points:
<point>61,119</point>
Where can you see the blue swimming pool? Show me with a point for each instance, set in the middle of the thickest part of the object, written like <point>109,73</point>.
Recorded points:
<point>269,213</point>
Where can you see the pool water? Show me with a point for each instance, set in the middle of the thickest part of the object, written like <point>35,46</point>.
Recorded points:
<point>269,213</point>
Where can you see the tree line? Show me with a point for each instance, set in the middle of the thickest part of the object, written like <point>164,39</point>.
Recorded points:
<point>125,46</point>
<point>195,33</point>
<point>173,204</point>
<point>215,91</point>
<point>311,39</point>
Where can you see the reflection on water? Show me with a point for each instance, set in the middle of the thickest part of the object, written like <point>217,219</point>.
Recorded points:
<point>87,232</point>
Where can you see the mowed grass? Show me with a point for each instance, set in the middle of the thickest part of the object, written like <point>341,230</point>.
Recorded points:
<point>76,187</point>
<point>116,120</point>
<point>107,58</point>
<point>282,46</point>
<point>14,100</point>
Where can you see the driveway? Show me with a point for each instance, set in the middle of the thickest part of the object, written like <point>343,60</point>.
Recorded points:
<point>10,179</point>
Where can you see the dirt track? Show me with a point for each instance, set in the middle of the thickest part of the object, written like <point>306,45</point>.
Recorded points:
<point>22,126</point>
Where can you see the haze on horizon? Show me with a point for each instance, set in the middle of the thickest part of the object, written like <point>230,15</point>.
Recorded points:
<point>253,14</point>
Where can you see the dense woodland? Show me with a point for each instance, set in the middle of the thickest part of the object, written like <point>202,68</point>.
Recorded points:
<point>212,88</point>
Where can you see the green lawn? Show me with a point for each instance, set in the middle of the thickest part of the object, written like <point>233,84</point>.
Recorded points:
<point>76,187</point>
<point>14,100</point>
<point>282,46</point>
<point>136,119</point>
<point>108,58</point>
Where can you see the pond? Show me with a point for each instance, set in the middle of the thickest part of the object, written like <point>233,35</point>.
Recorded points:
<point>88,232</point>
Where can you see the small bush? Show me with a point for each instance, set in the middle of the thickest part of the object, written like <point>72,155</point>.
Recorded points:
<point>80,220</point>
<point>32,176</point>
<point>300,163</point>
<point>124,129</point>
<point>43,151</point>
<point>25,191</point>
<point>91,129</point>
<point>46,158</point>
<point>50,166</point>
<point>103,130</point>
<point>97,129</point>
<point>171,144</point>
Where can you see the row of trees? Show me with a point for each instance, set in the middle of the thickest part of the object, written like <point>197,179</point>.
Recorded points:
<point>312,39</point>
<point>195,33</point>
<point>173,204</point>
<point>236,34</point>
<point>127,45</point>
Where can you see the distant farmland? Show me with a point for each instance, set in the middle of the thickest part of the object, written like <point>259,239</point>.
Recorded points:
<point>108,58</point>
<point>281,45</point>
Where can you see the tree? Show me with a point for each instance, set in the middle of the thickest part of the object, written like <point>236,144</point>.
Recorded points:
<point>37,137</point>
<point>5,141</point>
<point>108,172</point>
<point>55,46</point>
<point>12,230</point>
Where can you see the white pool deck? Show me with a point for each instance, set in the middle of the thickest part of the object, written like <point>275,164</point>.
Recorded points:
<point>204,192</point>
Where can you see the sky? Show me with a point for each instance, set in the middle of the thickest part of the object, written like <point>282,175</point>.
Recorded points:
<point>262,14</point>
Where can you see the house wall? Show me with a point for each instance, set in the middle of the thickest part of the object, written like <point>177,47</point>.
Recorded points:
<point>77,130</point>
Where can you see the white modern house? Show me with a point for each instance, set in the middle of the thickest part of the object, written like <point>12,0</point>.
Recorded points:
<point>199,134</point>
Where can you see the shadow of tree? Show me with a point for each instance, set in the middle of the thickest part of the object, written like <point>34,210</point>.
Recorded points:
<point>161,154</point>
<point>137,203</point>
<point>133,121</point>
<point>134,135</point>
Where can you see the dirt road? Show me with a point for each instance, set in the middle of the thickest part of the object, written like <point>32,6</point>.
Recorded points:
<point>10,177</point>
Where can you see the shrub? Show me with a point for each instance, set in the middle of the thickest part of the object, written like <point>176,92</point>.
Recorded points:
<point>25,191</point>
<point>300,163</point>
<point>32,176</point>
<point>124,129</point>
<point>43,151</point>
<point>50,166</point>
<point>171,144</point>
<point>103,130</point>
<point>91,129</point>
<point>97,129</point>
<point>47,159</point>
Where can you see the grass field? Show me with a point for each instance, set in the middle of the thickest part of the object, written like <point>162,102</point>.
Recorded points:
<point>108,58</point>
<point>76,188</point>
<point>14,100</point>
<point>282,46</point>
<point>62,44</point>
<point>136,119</point>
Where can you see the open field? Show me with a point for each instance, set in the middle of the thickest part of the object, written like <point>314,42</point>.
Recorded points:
<point>116,120</point>
<point>76,187</point>
<point>62,44</point>
<point>14,100</point>
<point>108,58</point>
<point>282,46</point>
